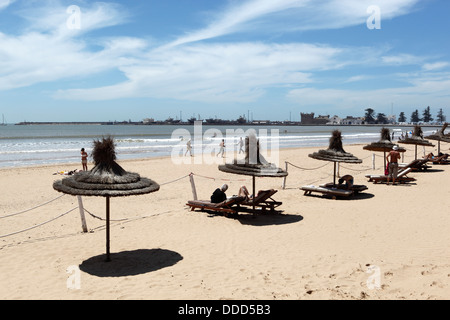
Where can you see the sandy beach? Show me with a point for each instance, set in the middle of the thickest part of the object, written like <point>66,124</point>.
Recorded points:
<point>317,248</point>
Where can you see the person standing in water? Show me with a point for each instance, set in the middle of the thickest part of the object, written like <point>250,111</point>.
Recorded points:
<point>84,157</point>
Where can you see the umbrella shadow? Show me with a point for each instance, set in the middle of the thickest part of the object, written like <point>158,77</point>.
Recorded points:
<point>130,263</point>
<point>268,219</point>
<point>356,196</point>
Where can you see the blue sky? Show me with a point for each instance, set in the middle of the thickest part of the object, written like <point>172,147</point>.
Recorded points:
<point>135,59</point>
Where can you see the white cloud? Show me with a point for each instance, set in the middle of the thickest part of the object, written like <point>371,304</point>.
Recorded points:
<point>5,3</point>
<point>417,94</point>
<point>49,51</point>
<point>402,59</point>
<point>263,15</point>
<point>219,72</point>
<point>435,66</point>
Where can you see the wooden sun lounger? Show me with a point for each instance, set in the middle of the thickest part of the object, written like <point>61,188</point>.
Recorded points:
<point>356,188</point>
<point>415,165</point>
<point>401,177</point>
<point>333,192</point>
<point>441,160</point>
<point>263,200</point>
<point>230,205</point>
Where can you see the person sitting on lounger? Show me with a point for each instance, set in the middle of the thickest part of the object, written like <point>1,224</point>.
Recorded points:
<point>219,195</point>
<point>348,179</point>
<point>243,192</point>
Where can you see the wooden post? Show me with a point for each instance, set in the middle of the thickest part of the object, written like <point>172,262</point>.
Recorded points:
<point>254,208</point>
<point>373,161</point>
<point>334,174</point>
<point>108,254</point>
<point>194,190</point>
<point>284,179</point>
<point>83,218</point>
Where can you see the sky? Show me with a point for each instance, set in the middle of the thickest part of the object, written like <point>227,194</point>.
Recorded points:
<point>270,59</point>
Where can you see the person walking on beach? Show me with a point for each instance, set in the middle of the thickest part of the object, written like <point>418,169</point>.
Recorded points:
<point>188,148</point>
<point>241,146</point>
<point>222,148</point>
<point>84,157</point>
<point>392,159</point>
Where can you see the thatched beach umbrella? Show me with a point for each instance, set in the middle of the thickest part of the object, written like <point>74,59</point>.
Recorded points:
<point>440,136</point>
<point>107,179</point>
<point>384,145</point>
<point>417,139</point>
<point>335,153</point>
<point>254,164</point>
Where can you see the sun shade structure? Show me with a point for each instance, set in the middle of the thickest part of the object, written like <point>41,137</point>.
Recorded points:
<point>254,164</point>
<point>107,179</point>
<point>417,139</point>
<point>384,145</point>
<point>335,153</point>
<point>440,136</point>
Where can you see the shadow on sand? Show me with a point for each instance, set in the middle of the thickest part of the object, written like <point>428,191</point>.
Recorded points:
<point>130,263</point>
<point>357,196</point>
<point>260,219</point>
<point>268,219</point>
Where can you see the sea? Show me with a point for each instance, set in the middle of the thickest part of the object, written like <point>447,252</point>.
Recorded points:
<point>33,145</point>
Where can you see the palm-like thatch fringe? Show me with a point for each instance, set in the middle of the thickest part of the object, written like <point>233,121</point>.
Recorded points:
<point>107,178</point>
<point>385,143</point>
<point>440,135</point>
<point>254,164</point>
<point>417,138</point>
<point>335,151</point>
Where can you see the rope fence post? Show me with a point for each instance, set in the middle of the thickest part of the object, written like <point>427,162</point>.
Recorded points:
<point>83,218</point>
<point>194,190</point>
<point>284,179</point>
<point>373,161</point>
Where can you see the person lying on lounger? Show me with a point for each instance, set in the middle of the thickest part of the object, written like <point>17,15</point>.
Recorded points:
<point>348,179</point>
<point>440,156</point>
<point>243,192</point>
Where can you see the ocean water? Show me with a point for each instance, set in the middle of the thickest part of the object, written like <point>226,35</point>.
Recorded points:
<point>31,145</point>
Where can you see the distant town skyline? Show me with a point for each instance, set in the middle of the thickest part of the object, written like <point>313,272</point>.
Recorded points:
<point>74,60</point>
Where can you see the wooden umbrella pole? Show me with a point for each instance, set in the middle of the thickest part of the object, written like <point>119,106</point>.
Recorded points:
<point>334,174</point>
<point>108,254</point>
<point>416,152</point>
<point>254,195</point>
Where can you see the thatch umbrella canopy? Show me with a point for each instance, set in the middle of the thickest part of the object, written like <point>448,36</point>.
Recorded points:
<point>254,164</point>
<point>417,139</point>
<point>335,153</point>
<point>384,145</point>
<point>440,136</point>
<point>107,179</point>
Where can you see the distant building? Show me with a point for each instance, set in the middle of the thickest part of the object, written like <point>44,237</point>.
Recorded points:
<point>335,120</point>
<point>308,118</point>
<point>148,121</point>
<point>352,121</point>
<point>392,119</point>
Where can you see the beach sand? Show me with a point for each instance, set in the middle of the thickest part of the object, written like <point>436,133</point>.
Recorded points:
<point>317,248</point>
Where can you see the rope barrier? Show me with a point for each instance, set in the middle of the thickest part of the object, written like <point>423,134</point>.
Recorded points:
<point>220,179</point>
<point>101,219</point>
<point>183,177</point>
<point>38,206</point>
<point>308,168</point>
<point>39,225</point>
